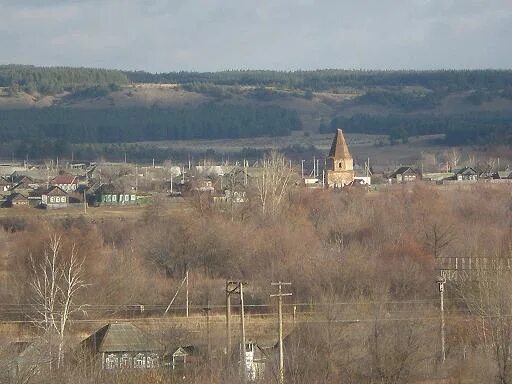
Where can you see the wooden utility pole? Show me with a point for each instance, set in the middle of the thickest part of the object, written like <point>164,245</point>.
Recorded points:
<point>242,328</point>
<point>85,203</point>
<point>186,294</point>
<point>232,288</point>
<point>207,309</point>
<point>280,295</point>
<point>442,282</point>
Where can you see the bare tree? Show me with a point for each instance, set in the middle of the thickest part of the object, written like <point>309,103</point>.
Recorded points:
<point>490,298</point>
<point>453,158</point>
<point>273,183</point>
<point>56,280</point>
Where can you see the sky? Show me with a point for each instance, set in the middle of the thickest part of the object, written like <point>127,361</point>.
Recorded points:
<point>212,35</point>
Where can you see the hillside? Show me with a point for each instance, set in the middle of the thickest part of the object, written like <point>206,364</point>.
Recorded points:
<point>78,105</point>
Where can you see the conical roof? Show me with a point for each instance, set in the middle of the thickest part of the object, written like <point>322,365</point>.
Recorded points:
<point>339,148</point>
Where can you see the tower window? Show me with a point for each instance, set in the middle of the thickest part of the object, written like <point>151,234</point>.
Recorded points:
<point>339,165</point>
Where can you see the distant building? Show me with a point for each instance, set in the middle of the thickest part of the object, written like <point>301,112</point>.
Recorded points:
<point>339,163</point>
<point>466,174</point>
<point>123,346</point>
<point>55,197</point>
<point>67,183</point>
<point>404,175</point>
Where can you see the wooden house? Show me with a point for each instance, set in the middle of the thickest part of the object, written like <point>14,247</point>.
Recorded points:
<point>67,183</point>
<point>466,174</point>
<point>18,200</point>
<point>108,194</point>
<point>123,346</point>
<point>404,175</point>
<point>55,197</point>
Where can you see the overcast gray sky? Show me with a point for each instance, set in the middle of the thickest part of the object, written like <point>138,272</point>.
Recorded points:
<point>204,35</point>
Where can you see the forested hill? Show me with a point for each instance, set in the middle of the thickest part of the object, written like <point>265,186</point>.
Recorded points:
<point>79,105</point>
<point>49,80</point>
<point>326,79</point>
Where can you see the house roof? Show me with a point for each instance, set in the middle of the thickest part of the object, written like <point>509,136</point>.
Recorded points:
<point>121,337</point>
<point>339,148</point>
<point>401,171</point>
<point>65,179</point>
<point>55,191</point>
<point>18,197</point>
<point>467,171</point>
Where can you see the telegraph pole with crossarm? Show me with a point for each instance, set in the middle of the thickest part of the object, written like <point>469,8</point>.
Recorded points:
<point>280,295</point>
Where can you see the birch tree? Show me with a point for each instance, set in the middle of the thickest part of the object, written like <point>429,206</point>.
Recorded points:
<point>273,183</point>
<point>56,280</point>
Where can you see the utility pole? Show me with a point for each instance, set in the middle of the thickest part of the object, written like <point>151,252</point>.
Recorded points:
<point>186,294</point>
<point>232,288</point>
<point>280,295</point>
<point>85,203</point>
<point>207,309</point>
<point>236,288</point>
<point>442,282</point>
<point>302,168</point>
<point>242,327</point>
<point>314,166</point>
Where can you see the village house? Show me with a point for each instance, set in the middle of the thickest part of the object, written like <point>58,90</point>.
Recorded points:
<point>67,183</point>
<point>404,175</point>
<point>108,194</point>
<point>182,356</point>
<point>339,163</point>
<point>21,361</point>
<point>466,174</point>
<point>123,346</point>
<point>55,197</point>
<point>5,185</point>
<point>255,360</point>
<point>18,200</point>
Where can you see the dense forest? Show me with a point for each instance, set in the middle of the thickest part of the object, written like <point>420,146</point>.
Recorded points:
<point>56,79</point>
<point>334,78</point>
<point>411,99</point>
<point>209,121</point>
<point>51,80</point>
<point>475,128</point>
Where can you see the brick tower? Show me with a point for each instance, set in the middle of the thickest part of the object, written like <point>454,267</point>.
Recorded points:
<point>340,165</point>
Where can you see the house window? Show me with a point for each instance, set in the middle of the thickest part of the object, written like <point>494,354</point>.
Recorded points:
<point>139,361</point>
<point>152,361</point>
<point>111,361</point>
<point>126,198</point>
<point>52,199</point>
<point>124,361</point>
<point>114,198</point>
<point>339,165</point>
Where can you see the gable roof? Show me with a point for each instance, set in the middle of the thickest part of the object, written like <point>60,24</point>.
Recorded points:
<point>65,179</point>
<point>401,171</point>
<point>121,337</point>
<point>467,171</point>
<point>339,148</point>
<point>56,191</point>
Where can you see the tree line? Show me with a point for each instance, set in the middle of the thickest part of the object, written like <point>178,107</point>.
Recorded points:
<point>324,79</point>
<point>48,80</point>
<point>208,121</point>
<point>51,80</point>
<point>471,128</point>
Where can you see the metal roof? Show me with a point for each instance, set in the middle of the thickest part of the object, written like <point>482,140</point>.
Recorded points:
<point>121,337</point>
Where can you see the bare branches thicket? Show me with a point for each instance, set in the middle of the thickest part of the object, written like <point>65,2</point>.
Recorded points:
<point>55,281</point>
<point>490,298</point>
<point>272,184</point>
